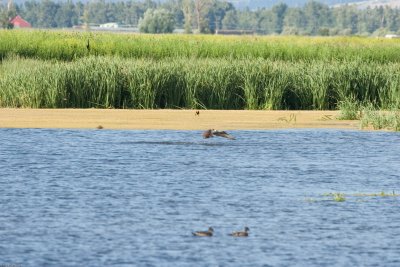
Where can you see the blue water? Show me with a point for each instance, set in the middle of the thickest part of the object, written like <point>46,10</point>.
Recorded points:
<point>132,198</point>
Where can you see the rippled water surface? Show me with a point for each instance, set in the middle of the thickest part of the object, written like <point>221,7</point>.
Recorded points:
<point>132,198</point>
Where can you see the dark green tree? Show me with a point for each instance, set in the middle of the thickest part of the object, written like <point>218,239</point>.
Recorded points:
<point>66,15</point>
<point>230,20</point>
<point>6,14</point>
<point>370,21</point>
<point>157,21</point>
<point>346,19</point>
<point>30,12</point>
<point>187,9</point>
<point>46,14</point>
<point>201,8</point>
<point>217,13</point>
<point>278,12</point>
<point>98,12</point>
<point>317,15</point>
<point>313,18</point>
<point>265,23</point>
<point>248,20</point>
<point>294,22</point>
<point>392,18</point>
<point>175,7</point>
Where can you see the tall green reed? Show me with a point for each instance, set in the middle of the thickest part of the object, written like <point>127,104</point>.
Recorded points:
<point>115,82</point>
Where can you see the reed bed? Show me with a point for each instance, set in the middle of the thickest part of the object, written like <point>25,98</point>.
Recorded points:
<point>69,45</point>
<point>67,69</point>
<point>116,82</point>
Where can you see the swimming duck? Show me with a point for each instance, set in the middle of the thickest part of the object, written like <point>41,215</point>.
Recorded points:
<point>211,132</point>
<point>209,232</point>
<point>241,233</point>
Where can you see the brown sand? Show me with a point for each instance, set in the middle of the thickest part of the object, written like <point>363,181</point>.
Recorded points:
<point>170,119</point>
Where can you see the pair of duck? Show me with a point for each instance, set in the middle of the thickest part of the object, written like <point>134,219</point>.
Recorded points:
<point>210,232</point>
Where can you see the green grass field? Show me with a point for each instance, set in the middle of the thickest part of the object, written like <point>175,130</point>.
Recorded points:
<point>54,69</point>
<point>69,45</point>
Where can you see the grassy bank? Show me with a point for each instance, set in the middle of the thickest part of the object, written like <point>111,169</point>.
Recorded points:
<point>61,69</point>
<point>369,115</point>
<point>114,82</point>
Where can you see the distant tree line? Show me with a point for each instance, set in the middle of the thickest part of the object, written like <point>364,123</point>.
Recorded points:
<point>207,16</point>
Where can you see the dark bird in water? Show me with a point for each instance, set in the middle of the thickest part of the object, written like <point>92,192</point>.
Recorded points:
<point>211,133</point>
<point>241,233</point>
<point>88,45</point>
<point>197,113</point>
<point>209,232</point>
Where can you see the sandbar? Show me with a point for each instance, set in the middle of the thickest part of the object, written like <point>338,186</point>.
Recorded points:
<point>171,119</point>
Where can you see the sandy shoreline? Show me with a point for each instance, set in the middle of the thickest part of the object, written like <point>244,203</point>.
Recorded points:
<point>171,119</point>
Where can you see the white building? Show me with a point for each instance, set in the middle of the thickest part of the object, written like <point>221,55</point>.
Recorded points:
<point>110,25</point>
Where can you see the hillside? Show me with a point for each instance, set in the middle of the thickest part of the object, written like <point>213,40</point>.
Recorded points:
<point>374,3</point>
<point>257,4</point>
<point>242,4</point>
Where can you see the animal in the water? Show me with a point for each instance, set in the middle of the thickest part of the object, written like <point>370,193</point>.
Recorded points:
<point>209,232</point>
<point>211,133</point>
<point>241,233</point>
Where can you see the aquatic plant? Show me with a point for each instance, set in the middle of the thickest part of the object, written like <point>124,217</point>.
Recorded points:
<point>341,197</point>
<point>369,114</point>
<point>349,109</point>
<point>379,119</point>
<point>338,197</point>
<point>381,194</point>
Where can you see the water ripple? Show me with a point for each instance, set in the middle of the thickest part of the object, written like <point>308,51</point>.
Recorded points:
<point>132,198</point>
